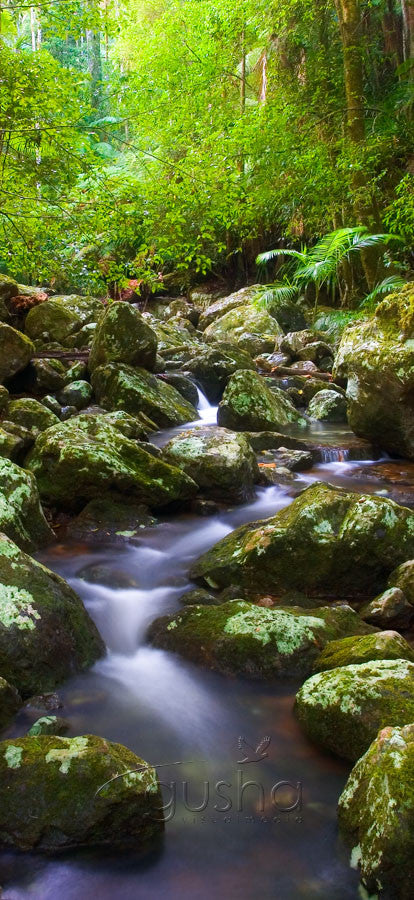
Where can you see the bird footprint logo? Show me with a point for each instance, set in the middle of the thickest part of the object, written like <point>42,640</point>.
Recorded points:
<point>251,753</point>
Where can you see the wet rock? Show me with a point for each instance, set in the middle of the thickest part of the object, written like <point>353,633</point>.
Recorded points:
<point>110,520</point>
<point>10,701</point>
<point>221,462</point>
<point>123,336</point>
<point>51,403</point>
<point>328,540</point>
<point>271,473</point>
<point>247,319</point>
<point>272,440</point>
<point>241,638</point>
<point>403,578</point>
<point>343,709</point>
<point>48,725</point>
<point>45,632</point>
<point>101,573</point>
<point>354,650</point>
<point>31,415</point>
<point>312,386</point>
<point>89,453</point>
<point>248,405</point>
<point>213,367</point>
<point>136,391</point>
<point>21,516</point>
<point>183,385</point>
<point>16,351</point>
<point>58,793</point>
<point>376,813</point>
<point>50,701</point>
<point>377,357</point>
<point>77,394</point>
<point>294,460</point>
<point>328,406</point>
<point>198,597</point>
<point>390,609</point>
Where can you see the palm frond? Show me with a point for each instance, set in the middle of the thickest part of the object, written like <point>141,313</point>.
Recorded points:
<point>277,293</point>
<point>266,257</point>
<point>387,286</point>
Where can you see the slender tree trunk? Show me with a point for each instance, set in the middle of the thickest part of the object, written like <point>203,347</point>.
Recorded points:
<point>408,19</point>
<point>95,69</point>
<point>349,15</point>
<point>33,27</point>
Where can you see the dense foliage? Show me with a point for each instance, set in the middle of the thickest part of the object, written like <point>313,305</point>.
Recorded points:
<point>169,140</point>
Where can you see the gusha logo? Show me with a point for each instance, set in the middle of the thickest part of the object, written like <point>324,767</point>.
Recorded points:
<point>233,800</point>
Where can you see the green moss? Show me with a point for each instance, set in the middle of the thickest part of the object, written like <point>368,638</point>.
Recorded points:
<point>137,391</point>
<point>13,756</point>
<point>123,336</point>
<point>31,414</point>
<point>16,351</point>
<point>354,650</point>
<point>248,405</point>
<point>21,516</point>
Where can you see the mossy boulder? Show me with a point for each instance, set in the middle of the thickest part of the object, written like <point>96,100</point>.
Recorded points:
<point>224,305</point>
<point>245,319</point>
<point>241,638</point>
<point>48,725</point>
<point>377,357</point>
<point>83,458</point>
<point>59,318</point>
<point>328,406</point>
<point>390,609</point>
<point>248,405</point>
<point>10,702</point>
<point>59,793</point>
<point>16,351</point>
<point>328,540</point>
<point>4,399</point>
<point>13,445</point>
<point>111,520</point>
<point>76,393</point>
<point>45,376</point>
<point>45,632</point>
<point>21,516</point>
<point>376,813</point>
<point>123,336</point>
<point>221,462</point>
<point>403,578</point>
<point>136,391</point>
<point>184,385</point>
<point>213,367</point>
<point>172,335</point>
<point>32,415</point>
<point>350,651</point>
<point>343,709</point>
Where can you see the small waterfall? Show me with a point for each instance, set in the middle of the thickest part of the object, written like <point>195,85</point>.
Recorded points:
<point>208,413</point>
<point>202,401</point>
<point>333,454</point>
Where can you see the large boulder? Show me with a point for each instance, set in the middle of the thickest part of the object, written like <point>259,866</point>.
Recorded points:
<point>124,337</point>
<point>10,702</point>
<point>59,318</point>
<point>223,305</point>
<point>343,709</point>
<point>376,813</point>
<point>390,609</point>
<point>212,368</point>
<point>8,289</point>
<point>350,651</point>
<point>250,319</point>
<point>328,406</point>
<point>58,793</point>
<point>110,520</point>
<point>135,391</point>
<point>86,456</point>
<point>377,357</point>
<point>45,632</point>
<point>248,405</point>
<point>328,541</point>
<point>21,516</point>
<point>403,578</point>
<point>241,638</point>
<point>16,351</point>
<point>221,462</point>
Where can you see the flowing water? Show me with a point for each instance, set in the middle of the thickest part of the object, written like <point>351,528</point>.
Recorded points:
<point>243,842</point>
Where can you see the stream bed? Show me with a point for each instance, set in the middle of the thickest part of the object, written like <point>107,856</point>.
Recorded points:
<point>276,837</point>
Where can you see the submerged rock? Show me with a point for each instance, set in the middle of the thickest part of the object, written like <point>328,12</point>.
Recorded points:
<point>390,609</point>
<point>327,540</point>
<point>21,516</point>
<point>376,813</point>
<point>58,793</point>
<point>248,405</point>
<point>328,406</point>
<point>123,336</point>
<point>110,520</point>
<point>212,368</point>
<point>16,351</point>
<point>377,357</point>
<point>48,725</point>
<point>45,632</point>
<point>86,457</point>
<point>343,709</point>
<point>136,391</point>
<point>221,462</point>
<point>350,651</point>
<point>241,638</point>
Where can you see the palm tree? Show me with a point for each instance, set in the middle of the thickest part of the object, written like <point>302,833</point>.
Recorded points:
<point>321,265</point>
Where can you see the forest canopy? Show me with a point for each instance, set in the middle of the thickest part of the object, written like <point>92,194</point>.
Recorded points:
<point>173,140</point>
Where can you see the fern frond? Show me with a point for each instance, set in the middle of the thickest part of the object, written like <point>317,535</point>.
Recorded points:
<point>266,257</point>
<point>387,286</point>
